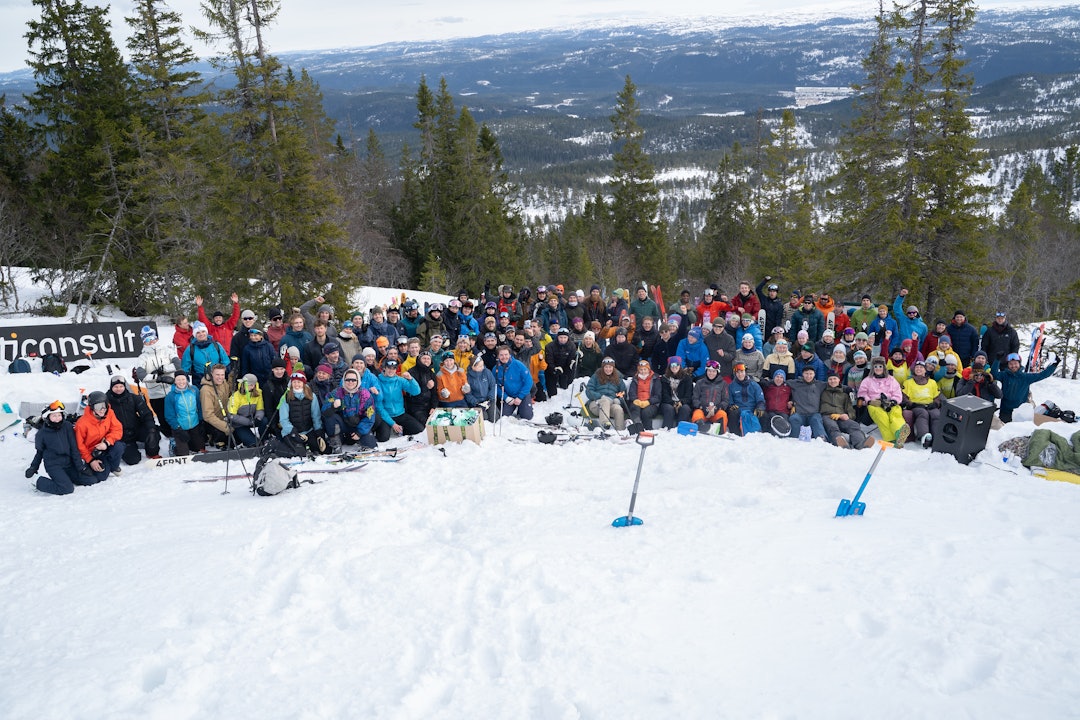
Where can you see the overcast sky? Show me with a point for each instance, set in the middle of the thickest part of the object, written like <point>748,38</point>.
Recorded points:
<point>320,24</point>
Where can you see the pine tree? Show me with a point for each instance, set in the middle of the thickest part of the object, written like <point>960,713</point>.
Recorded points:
<point>728,223</point>
<point>635,207</point>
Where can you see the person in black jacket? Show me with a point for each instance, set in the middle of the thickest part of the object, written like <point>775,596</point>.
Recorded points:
<point>423,372</point>
<point>771,303</point>
<point>1000,339</point>
<point>623,353</point>
<point>136,418</point>
<point>560,356</point>
<point>273,389</point>
<point>57,448</point>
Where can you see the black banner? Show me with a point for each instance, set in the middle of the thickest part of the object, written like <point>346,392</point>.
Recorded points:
<point>73,342</point>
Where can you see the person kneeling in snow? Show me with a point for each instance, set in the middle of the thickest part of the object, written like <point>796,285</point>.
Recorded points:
<point>99,434</point>
<point>56,446</point>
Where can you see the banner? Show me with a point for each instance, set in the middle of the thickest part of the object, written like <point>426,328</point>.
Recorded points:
<point>73,342</point>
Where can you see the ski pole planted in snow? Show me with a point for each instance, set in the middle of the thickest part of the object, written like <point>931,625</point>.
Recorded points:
<point>854,506</point>
<point>644,439</point>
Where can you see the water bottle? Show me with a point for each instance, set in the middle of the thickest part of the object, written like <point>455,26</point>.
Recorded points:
<point>805,433</point>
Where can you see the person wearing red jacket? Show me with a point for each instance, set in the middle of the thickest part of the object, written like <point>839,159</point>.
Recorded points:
<point>98,434</point>
<point>710,308</point>
<point>182,333</point>
<point>746,301</point>
<point>221,330</point>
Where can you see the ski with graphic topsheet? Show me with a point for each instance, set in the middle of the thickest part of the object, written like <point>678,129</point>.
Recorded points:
<point>761,324</point>
<point>830,322</point>
<point>1034,362</point>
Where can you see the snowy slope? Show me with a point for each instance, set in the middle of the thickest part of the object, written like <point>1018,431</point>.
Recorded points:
<point>488,583</point>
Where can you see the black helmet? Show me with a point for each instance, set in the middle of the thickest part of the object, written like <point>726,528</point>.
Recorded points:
<point>96,397</point>
<point>554,418</point>
<point>548,438</point>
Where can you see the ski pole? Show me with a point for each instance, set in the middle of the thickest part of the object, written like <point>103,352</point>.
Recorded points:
<point>645,440</point>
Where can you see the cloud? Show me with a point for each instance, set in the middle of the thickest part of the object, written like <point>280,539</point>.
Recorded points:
<point>450,20</point>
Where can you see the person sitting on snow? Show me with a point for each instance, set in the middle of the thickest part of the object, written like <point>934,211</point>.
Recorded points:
<point>56,446</point>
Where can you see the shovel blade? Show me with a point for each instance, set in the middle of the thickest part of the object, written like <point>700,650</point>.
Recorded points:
<point>844,509</point>
<point>858,508</point>
<point>627,521</point>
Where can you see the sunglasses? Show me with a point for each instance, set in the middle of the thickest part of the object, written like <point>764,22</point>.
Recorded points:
<point>913,314</point>
<point>350,380</point>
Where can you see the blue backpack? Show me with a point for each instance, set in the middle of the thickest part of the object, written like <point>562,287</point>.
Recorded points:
<point>19,365</point>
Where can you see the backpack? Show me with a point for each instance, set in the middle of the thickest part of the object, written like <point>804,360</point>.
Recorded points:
<point>272,477</point>
<point>19,365</point>
<point>53,363</point>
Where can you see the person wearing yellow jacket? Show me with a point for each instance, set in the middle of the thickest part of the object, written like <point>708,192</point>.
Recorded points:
<point>245,413</point>
<point>943,350</point>
<point>921,403</point>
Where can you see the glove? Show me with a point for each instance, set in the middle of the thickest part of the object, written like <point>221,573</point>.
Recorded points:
<point>558,370</point>
<point>466,388</point>
<point>303,437</point>
<point>138,373</point>
<point>642,403</point>
<point>29,473</point>
<point>444,393</point>
<point>759,413</point>
<point>485,405</point>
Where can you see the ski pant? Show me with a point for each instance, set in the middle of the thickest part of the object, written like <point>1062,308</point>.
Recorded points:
<point>110,460</point>
<point>335,426</point>
<point>889,423</point>
<point>609,411</point>
<point>158,406</point>
<point>834,428</point>
<point>644,415</point>
<point>190,440</point>
<point>523,411</point>
<point>921,418</point>
<point>148,435</point>
<point>673,416</point>
<point>719,416</point>
<point>62,479</point>
<point>813,420</point>
<point>409,426</point>
<point>557,379</point>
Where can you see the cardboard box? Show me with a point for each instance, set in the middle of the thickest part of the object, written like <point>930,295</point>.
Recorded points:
<point>439,432</point>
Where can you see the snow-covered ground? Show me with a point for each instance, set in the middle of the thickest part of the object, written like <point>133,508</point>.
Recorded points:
<point>489,583</point>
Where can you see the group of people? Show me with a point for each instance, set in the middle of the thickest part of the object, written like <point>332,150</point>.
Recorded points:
<point>320,384</point>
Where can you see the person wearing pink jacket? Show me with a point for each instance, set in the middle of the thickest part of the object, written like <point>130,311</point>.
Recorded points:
<point>881,395</point>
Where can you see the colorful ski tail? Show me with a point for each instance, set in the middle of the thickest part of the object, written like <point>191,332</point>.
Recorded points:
<point>1034,363</point>
<point>658,296</point>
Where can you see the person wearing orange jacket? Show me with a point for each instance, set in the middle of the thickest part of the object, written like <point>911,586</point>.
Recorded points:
<point>98,434</point>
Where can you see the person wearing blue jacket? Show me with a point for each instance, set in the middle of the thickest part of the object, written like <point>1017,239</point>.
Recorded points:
<point>514,385</point>
<point>202,354</point>
<point>258,356</point>
<point>481,388</point>
<point>390,402</point>
<point>907,319</point>
<point>693,352</point>
<point>748,324</point>
<point>1015,383</point>
<point>746,396</point>
<point>296,336</point>
<point>965,337</point>
<point>808,358</point>
<point>184,416</point>
<point>56,446</point>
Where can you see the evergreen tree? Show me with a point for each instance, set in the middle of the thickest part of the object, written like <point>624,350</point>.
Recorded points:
<point>635,208</point>
<point>729,222</point>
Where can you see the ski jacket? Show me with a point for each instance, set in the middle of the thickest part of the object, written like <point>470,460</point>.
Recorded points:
<point>548,314</point>
<point>694,355</point>
<point>986,388</point>
<point>595,311</point>
<point>245,408</point>
<point>390,402</point>
<point>748,303</point>
<point>775,361</point>
<point>1015,385</point>
<point>837,401</point>
<point>625,356</point>
<point>873,387</point>
<point>711,392</point>
<point>357,409</point>
<point>430,326</point>
<point>676,389</point>
<point>159,361</point>
<point>213,399</point>
<point>747,394</point>
<point>200,356</point>
<point>350,344</point>
<point>90,430</point>
<point>257,359</point>
<point>999,341</point>
<point>814,362</point>
<point>645,389</point>
<point>807,395</point>
<point>725,341</point>
<point>774,308</point>
<point>925,393</point>
<point>880,325</point>
<point>561,355</point>
<point>812,321</point>
<point>906,325</point>
<point>481,387</point>
<point>588,360</point>
<point>425,401</point>
<point>965,340</point>
<point>753,360</point>
<point>707,313</point>
<point>132,411</point>
<point>644,308</point>
<point>376,330</point>
<point>596,388</point>
<point>451,382</point>
<point>295,338</point>
<point>182,408</point>
<point>181,338</point>
<point>56,447</point>
<point>513,379</point>
<point>755,332</point>
<point>777,398</point>
<point>861,319</point>
<point>274,334</point>
<point>221,333</point>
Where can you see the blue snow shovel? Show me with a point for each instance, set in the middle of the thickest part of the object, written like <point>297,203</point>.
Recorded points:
<point>854,507</point>
<point>644,439</point>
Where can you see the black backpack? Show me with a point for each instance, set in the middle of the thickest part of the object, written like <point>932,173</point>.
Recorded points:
<point>53,363</point>
<point>19,365</point>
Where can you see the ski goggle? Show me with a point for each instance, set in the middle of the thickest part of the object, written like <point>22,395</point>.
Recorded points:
<point>99,407</point>
<point>712,364</point>
<point>56,406</point>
